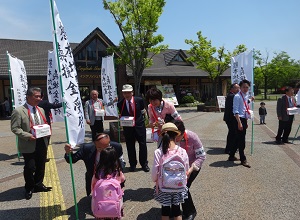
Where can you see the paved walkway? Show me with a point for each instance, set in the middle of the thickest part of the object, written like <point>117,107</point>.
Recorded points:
<point>223,190</point>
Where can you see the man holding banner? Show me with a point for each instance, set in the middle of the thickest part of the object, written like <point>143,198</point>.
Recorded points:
<point>33,148</point>
<point>242,112</point>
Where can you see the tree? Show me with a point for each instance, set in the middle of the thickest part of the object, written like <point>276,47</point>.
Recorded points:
<point>263,72</point>
<point>137,21</point>
<point>210,59</point>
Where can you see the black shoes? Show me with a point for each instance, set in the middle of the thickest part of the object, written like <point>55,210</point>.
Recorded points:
<point>245,164</point>
<point>232,158</point>
<point>146,168</point>
<point>42,188</point>
<point>287,142</point>
<point>132,168</point>
<point>28,194</point>
<point>191,216</point>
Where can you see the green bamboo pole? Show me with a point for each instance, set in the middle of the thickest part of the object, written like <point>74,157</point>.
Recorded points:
<point>64,109</point>
<point>252,89</point>
<point>13,99</point>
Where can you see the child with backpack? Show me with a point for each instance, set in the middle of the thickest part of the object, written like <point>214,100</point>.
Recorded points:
<point>169,170</point>
<point>107,194</point>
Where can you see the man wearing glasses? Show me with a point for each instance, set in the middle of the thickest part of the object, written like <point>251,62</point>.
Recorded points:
<point>90,154</point>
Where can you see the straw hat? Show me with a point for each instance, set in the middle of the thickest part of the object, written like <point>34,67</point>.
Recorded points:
<point>169,127</point>
<point>127,88</point>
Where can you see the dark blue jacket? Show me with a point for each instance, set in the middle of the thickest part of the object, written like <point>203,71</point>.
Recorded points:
<point>87,153</point>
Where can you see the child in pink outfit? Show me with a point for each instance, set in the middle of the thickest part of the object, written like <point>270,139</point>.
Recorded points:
<point>169,200</point>
<point>108,166</point>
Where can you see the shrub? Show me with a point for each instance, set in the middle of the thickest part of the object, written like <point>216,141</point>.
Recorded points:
<point>187,99</point>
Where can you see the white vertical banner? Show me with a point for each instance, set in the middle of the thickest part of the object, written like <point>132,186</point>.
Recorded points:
<point>53,87</point>
<point>242,67</point>
<point>108,84</point>
<point>19,80</point>
<point>69,82</point>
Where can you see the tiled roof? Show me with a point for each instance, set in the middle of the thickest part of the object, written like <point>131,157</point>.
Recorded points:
<point>34,54</point>
<point>162,66</point>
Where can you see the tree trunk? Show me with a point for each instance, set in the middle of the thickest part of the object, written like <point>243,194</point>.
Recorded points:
<point>265,87</point>
<point>137,84</point>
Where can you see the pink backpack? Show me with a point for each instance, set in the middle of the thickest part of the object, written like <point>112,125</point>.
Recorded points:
<point>107,198</point>
<point>173,172</point>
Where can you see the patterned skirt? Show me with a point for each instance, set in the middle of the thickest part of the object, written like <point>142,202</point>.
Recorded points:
<point>170,198</point>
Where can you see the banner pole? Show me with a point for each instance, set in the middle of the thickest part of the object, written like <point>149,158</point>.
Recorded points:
<point>119,127</point>
<point>64,109</point>
<point>252,89</point>
<point>13,99</point>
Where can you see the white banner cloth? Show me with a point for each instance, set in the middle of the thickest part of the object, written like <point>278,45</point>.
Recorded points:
<point>242,68</point>
<point>53,87</point>
<point>108,84</point>
<point>19,80</point>
<point>72,99</point>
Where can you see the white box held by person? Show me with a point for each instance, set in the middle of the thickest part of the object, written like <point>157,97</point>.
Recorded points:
<point>99,112</point>
<point>42,130</point>
<point>293,111</point>
<point>127,121</point>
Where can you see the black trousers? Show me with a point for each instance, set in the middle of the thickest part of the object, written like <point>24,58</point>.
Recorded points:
<point>96,128</point>
<point>34,169</point>
<point>231,125</point>
<point>285,127</point>
<point>188,206</point>
<point>240,141</point>
<point>132,134</point>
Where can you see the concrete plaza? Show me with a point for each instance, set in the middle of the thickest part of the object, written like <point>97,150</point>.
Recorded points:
<point>223,190</point>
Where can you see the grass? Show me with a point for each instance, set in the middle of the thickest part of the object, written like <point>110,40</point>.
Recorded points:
<point>269,97</point>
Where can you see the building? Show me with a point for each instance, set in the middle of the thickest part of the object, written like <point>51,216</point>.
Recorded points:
<point>169,67</point>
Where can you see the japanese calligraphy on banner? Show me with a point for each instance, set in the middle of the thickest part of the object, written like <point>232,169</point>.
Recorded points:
<point>108,83</point>
<point>53,87</point>
<point>19,80</point>
<point>68,74</point>
<point>242,67</point>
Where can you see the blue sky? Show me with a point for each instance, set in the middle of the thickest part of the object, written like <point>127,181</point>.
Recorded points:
<point>271,25</point>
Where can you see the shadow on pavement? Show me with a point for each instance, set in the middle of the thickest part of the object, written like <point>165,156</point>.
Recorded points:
<point>225,164</point>
<point>4,157</point>
<point>215,151</point>
<point>84,207</point>
<point>140,195</point>
<point>270,142</point>
<point>12,194</point>
<point>21,213</point>
<point>152,214</point>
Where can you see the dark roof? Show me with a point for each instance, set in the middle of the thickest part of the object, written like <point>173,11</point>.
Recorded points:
<point>88,38</point>
<point>33,53</point>
<point>162,66</point>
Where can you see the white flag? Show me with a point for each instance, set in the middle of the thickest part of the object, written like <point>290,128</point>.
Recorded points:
<point>72,99</point>
<point>108,83</point>
<point>19,80</point>
<point>242,67</point>
<point>53,87</point>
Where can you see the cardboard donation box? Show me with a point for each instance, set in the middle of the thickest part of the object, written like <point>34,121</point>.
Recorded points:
<point>42,130</point>
<point>127,121</point>
<point>293,111</point>
<point>99,112</point>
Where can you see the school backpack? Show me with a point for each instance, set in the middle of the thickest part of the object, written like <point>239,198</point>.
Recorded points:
<point>106,198</point>
<point>173,172</point>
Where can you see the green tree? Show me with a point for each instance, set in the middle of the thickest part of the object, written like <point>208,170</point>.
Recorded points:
<point>137,21</point>
<point>210,59</point>
<point>262,73</point>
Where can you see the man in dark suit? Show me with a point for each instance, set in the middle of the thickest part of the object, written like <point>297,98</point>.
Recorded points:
<point>229,117</point>
<point>34,150</point>
<point>47,106</point>
<point>285,120</point>
<point>90,154</point>
<point>134,107</point>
